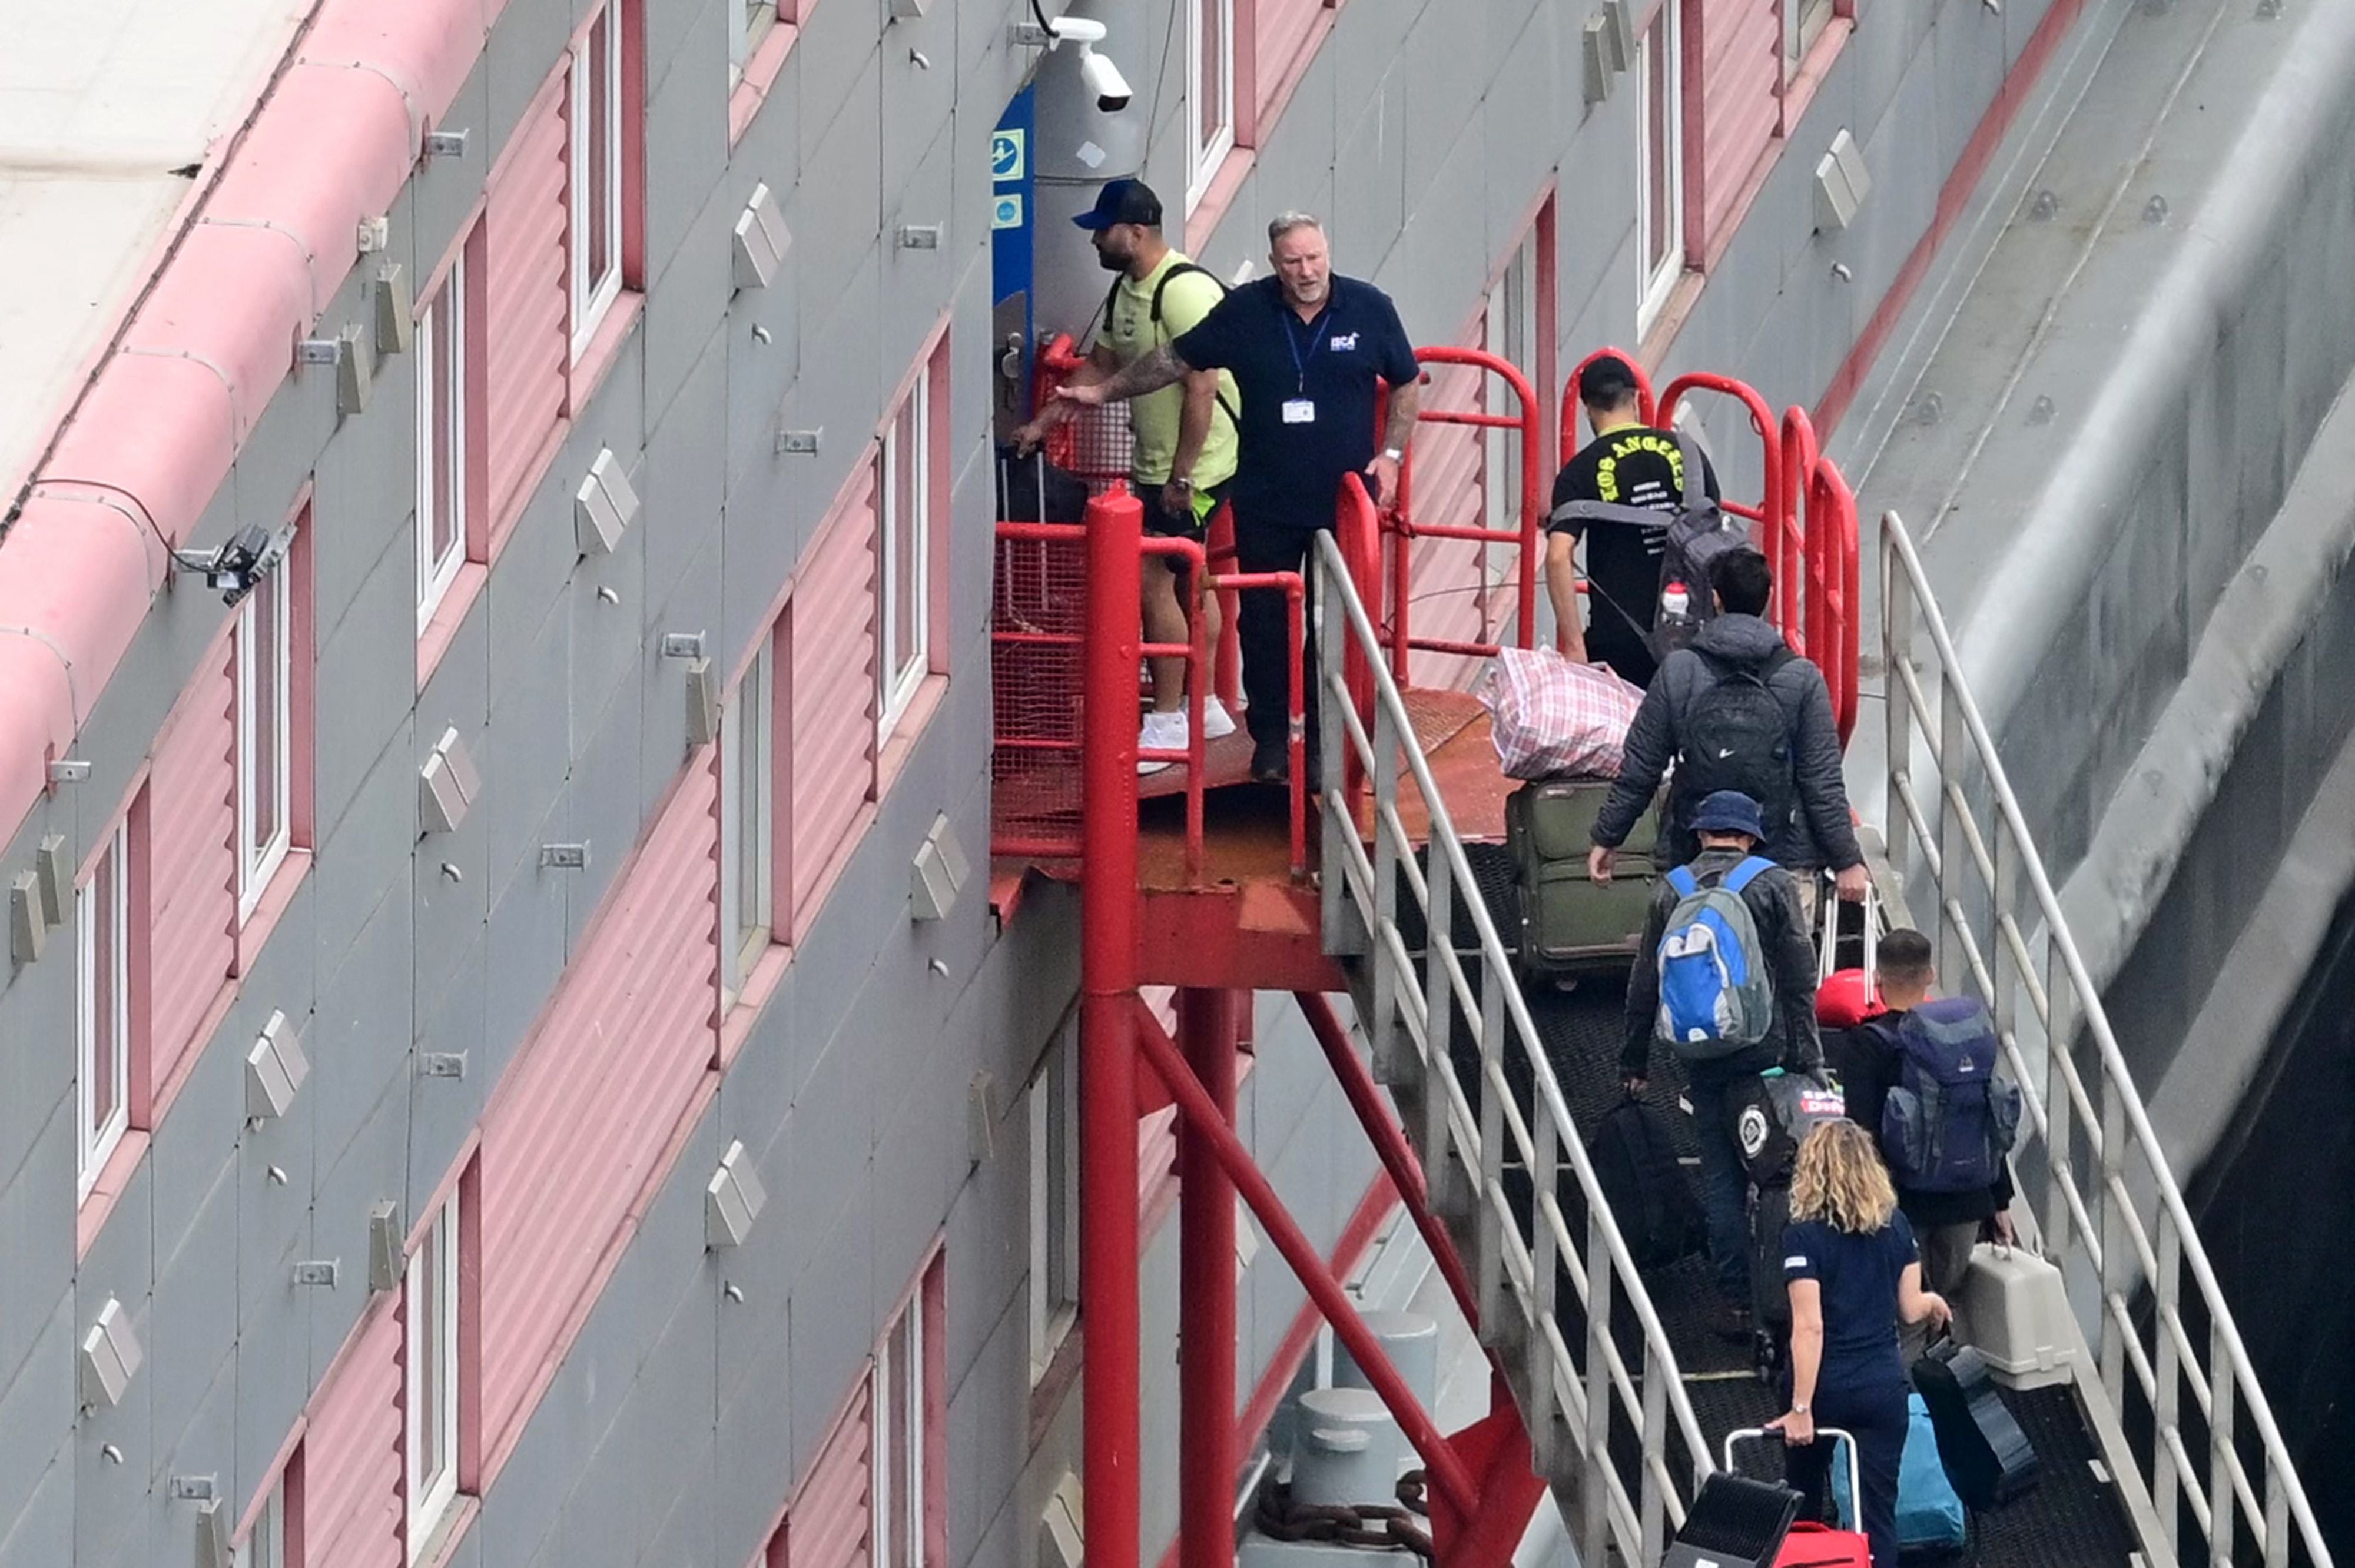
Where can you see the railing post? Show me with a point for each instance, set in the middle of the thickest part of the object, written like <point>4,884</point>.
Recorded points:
<point>1896,706</point>
<point>1341,922</point>
<point>2220,1503</point>
<point>2117,1245</point>
<point>1487,1228</point>
<point>2060,1111</point>
<point>1206,1301</point>
<point>1384,1027</point>
<point>1653,1444</point>
<point>2165,1403</point>
<point>1545,1263</point>
<point>1595,1501</point>
<point>1110,1374</point>
<point>1954,836</point>
<point>1439,1177</point>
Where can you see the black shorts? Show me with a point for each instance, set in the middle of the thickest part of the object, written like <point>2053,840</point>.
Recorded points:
<point>1168,525</point>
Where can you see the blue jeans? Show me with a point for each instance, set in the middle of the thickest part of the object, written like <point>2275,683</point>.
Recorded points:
<point>1724,1192</point>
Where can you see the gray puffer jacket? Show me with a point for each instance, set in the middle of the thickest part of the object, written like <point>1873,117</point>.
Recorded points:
<point>1818,832</point>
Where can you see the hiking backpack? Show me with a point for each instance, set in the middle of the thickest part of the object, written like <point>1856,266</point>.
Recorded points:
<point>1738,736</point>
<point>1153,318</point>
<point>1716,999</point>
<point>1949,1119</point>
<point>1699,532</point>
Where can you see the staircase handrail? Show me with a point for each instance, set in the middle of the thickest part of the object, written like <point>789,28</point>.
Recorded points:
<point>1484,1134</point>
<point>2108,1232</point>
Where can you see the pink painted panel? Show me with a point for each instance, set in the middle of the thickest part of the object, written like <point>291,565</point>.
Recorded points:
<point>353,122</point>
<point>79,572</point>
<point>833,1514</point>
<point>525,294</point>
<point>832,651</point>
<point>1283,31</point>
<point>425,50</point>
<point>574,1131</point>
<point>1742,42</point>
<point>235,298</point>
<point>1446,586</point>
<point>192,858</point>
<point>351,1452</point>
<point>157,428</point>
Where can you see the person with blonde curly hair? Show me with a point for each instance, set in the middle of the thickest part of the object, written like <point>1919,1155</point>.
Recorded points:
<point>1853,1270</point>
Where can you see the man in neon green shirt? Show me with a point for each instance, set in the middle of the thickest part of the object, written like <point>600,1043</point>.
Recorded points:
<point>1184,435</point>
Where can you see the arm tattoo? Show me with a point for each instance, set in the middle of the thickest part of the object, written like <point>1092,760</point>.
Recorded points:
<point>1150,373</point>
<point>1405,402</point>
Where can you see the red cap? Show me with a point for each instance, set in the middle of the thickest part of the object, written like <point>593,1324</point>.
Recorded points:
<point>1846,1000</point>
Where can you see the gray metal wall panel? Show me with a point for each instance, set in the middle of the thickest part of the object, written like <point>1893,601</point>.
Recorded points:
<point>41,1533</point>
<point>189,1153</point>
<point>835,1320</point>
<point>37,1412</point>
<point>686,127</point>
<point>110,1511</point>
<point>193,1331</point>
<point>523,760</point>
<point>362,694</point>
<point>525,44</point>
<point>687,306</point>
<point>358,1045</point>
<point>447,192</point>
<point>754,1435</point>
<point>37,1227</point>
<point>372,1168</point>
<point>37,1087</point>
<point>442,1111</point>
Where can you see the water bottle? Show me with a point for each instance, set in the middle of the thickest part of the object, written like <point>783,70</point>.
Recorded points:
<point>1675,601</point>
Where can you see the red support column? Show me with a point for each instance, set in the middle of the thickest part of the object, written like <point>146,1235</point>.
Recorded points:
<point>1206,1304</point>
<point>1108,1236</point>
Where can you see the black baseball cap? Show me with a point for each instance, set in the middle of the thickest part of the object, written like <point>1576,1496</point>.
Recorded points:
<point>1123,201</point>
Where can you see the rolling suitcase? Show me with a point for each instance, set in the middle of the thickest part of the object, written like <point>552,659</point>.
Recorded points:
<point>1810,1544</point>
<point>1930,1517</point>
<point>1769,1297</point>
<point>1567,922</point>
<point>1985,1454</point>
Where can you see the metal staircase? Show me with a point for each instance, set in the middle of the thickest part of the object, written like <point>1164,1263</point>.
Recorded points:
<point>1591,1361</point>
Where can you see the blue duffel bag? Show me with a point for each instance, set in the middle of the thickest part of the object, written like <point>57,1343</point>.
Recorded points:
<point>1930,1518</point>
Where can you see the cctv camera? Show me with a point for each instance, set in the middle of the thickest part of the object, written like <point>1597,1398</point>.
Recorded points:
<point>1103,77</point>
<point>1104,80</point>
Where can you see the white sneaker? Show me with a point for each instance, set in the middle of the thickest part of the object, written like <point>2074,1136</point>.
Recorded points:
<point>1161,732</point>
<point>1217,723</point>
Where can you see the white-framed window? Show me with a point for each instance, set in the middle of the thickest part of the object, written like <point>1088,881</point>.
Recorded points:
<point>264,676</point>
<point>747,816</point>
<point>1659,162</point>
<point>900,1438</point>
<point>265,1543</point>
<point>440,442</point>
<point>595,112</point>
<point>1054,1115</point>
<point>1509,329</point>
<point>905,486</point>
<point>1209,92</point>
<point>749,22</point>
<point>432,1392</point>
<point>1803,23</point>
<point>103,1016</point>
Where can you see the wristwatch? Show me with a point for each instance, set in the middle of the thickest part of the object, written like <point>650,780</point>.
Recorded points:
<point>1181,481</point>
<point>1800,1409</point>
<point>1394,454</point>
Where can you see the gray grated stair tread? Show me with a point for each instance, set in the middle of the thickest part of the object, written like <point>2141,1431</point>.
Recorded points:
<point>2071,1520</point>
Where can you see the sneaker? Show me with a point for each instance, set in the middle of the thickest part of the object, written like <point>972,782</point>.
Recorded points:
<point>1159,732</point>
<point>1217,723</point>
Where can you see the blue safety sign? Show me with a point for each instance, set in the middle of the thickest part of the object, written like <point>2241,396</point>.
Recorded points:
<point>1005,154</point>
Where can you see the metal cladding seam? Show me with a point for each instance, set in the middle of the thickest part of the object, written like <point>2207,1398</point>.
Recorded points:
<point>205,349</point>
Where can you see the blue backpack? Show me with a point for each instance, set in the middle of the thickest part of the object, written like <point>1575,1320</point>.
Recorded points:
<point>1949,1119</point>
<point>1716,996</point>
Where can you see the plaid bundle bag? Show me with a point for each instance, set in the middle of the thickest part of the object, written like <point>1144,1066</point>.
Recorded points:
<point>1550,717</point>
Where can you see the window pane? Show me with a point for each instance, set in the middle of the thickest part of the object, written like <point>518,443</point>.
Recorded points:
<point>749,761</point>
<point>269,697</point>
<point>426,1397</point>
<point>602,152</point>
<point>447,332</point>
<point>106,1042</point>
<point>902,1516</point>
<point>908,532</point>
<point>1210,85</point>
<point>1660,139</point>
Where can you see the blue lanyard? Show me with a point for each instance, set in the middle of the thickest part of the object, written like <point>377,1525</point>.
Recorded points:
<point>1316,342</point>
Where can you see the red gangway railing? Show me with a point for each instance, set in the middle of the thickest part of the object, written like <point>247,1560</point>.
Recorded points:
<point>1402,528</point>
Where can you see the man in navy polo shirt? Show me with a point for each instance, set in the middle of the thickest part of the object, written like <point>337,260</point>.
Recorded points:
<point>1307,350</point>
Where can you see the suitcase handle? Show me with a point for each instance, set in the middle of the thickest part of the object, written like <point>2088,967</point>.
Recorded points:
<point>1835,1434</point>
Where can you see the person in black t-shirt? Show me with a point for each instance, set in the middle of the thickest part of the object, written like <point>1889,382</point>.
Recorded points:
<point>1307,350</point>
<point>1631,464</point>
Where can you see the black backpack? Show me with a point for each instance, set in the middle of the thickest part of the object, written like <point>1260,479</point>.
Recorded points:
<point>1650,1196</point>
<point>1737,737</point>
<point>1112,297</point>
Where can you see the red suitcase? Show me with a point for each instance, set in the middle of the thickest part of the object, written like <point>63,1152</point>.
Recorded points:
<point>1810,1544</point>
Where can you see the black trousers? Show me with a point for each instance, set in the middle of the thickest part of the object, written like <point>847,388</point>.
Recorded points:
<point>1262,630</point>
<point>1875,1414</point>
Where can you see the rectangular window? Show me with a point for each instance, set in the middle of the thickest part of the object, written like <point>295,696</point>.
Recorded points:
<point>749,25</point>
<point>431,1406</point>
<point>1803,23</point>
<point>102,1033</point>
<point>904,481</point>
<point>1054,1115</point>
<point>440,441</point>
<point>1211,92</point>
<point>264,641</point>
<point>747,817</point>
<point>908,1408</point>
<point>274,1540</point>
<point>1659,138</point>
<point>595,111</point>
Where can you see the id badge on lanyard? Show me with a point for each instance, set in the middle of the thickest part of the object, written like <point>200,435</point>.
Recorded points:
<point>1299,411</point>
<point>1302,410</point>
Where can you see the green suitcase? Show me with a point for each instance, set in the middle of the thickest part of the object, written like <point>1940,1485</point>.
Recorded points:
<point>1569,924</point>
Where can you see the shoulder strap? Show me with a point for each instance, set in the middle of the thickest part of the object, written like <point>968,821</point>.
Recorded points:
<point>1173,272</point>
<point>1681,879</point>
<point>1742,875</point>
<point>1606,511</point>
<point>1689,454</point>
